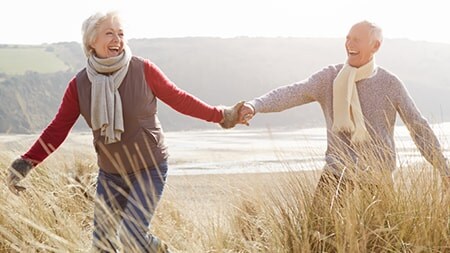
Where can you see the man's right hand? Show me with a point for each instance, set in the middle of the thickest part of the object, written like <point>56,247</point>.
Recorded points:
<point>246,113</point>
<point>18,171</point>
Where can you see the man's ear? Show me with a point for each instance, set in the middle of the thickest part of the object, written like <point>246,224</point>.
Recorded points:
<point>376,46</point>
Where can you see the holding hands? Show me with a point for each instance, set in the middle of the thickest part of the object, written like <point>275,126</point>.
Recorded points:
<point>246,113</point>
<point>240,113</point>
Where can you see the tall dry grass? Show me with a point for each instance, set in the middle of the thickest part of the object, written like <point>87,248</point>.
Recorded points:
<point>53,214</point>
<point>234,213</point>
<point>413,217</point>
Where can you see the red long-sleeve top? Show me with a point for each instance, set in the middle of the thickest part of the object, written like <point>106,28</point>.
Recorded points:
<point>69,111</point>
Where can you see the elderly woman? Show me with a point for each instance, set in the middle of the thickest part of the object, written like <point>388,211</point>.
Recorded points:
<point>117,96</point>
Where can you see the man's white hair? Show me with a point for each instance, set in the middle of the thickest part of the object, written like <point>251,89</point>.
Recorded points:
<point>376,33</point>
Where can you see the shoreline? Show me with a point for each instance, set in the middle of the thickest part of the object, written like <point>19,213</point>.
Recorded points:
<point>229,152</point>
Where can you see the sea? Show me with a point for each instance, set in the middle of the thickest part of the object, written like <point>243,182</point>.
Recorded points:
<point>239,150</point>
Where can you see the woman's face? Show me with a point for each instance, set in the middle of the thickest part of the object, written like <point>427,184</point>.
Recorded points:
<point>110,39</point>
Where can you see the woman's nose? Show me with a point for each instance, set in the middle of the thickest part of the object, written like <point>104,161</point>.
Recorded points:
<point>116,37</point>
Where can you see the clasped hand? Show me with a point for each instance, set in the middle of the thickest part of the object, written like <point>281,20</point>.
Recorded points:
<point>246,113</point>
<point>240,113</point>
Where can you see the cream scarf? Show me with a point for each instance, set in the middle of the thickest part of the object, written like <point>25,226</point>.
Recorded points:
<point>348,116</point>
<point>106,75</point>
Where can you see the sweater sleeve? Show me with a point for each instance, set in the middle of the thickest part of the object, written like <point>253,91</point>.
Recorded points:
<point>288,96</point>
<point>56,132</point>
<point>177,98</point>
<point>420,131</point>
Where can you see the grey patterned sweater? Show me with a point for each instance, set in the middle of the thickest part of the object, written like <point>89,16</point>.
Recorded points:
<point>382,96</point>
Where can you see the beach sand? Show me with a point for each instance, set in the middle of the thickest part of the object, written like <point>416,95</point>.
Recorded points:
<point>205,197</point>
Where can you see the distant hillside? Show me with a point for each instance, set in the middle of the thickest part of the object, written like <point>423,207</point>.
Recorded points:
<point>16,60</point>
<point>224,71</point>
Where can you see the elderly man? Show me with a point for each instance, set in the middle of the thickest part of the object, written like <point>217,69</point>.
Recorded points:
<point>360,102</point>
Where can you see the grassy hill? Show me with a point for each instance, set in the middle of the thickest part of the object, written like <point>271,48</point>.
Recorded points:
<point>16,60</point>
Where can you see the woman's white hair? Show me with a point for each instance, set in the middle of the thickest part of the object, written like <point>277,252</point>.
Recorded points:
<point>89,29</point>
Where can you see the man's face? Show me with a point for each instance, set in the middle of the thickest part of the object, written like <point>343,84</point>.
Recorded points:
<point>360,45</point>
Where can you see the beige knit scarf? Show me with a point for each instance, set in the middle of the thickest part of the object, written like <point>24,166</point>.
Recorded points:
<point>348,116</point>
<point>106,75</point>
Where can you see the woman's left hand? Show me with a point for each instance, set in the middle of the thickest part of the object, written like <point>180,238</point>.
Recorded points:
<point>231,115</point>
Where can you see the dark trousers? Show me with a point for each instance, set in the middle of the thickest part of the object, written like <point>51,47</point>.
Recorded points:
<point>124,208</point>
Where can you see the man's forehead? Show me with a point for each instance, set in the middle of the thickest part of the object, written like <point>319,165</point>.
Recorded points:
<point>360,29</point>
<point>362,26</point>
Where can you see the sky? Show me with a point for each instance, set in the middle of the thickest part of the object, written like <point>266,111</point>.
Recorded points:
<point>49,21</point>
